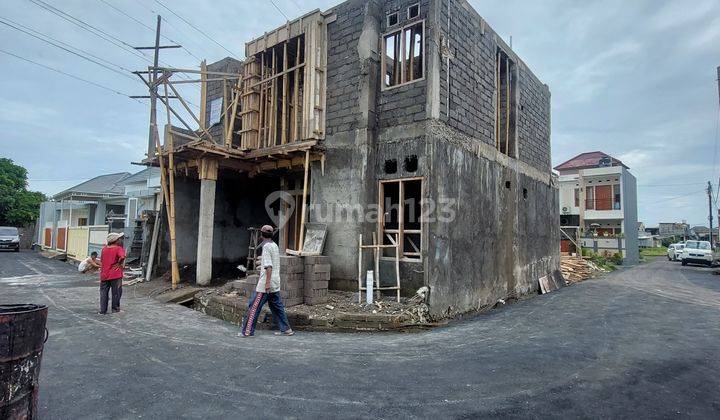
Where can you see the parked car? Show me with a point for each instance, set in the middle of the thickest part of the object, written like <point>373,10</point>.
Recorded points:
<point>674,252</point>
<point>9,238</point>
<point>697,252</point>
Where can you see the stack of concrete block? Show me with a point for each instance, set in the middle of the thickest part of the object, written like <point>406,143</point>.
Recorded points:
<point>247,285</point>
<point>291,280</point>
<point>317,277</point>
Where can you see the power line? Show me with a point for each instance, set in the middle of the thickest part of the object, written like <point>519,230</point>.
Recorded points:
<point>95,31</point>
<point>671,185</point>
<point>148,27</point>
<point>68,75</point>
<point>279,10</point>
<point>89,28</point>
<point>54,42</point>
<point>704,191</point>
<point>194,27</point>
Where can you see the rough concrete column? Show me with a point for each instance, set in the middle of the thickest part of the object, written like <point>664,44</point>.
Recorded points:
<point>207,170</point>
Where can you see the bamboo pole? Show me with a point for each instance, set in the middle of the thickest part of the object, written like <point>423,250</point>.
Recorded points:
<point>296,93</point>
<point>376,254</point>
<point>169,194</point>
<point>226,102</point>
<point>283,137</point>
<point>189,111</point>
<point>203,93</point>
<point>261,117</point>
<point>304,201</point>
<point>273,102</point>
<point>231,124</point>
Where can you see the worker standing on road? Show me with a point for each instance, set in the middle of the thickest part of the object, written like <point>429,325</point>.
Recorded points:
<point>267,289</point>
<point>112,260</point>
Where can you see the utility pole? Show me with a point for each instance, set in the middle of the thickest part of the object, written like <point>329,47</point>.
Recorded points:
<point>710,213</point>
<point>152,76</point>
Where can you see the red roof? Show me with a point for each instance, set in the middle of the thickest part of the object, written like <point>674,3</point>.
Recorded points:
<point>587,160</point>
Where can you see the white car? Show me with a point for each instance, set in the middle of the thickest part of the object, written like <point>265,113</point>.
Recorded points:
<point>674,252</point>
<point>697,252</point>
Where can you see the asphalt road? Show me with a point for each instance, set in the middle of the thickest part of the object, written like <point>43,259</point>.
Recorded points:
<point>643,342</point>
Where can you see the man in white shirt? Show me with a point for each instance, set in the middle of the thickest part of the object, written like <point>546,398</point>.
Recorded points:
<point>267,289</point>
<point>89,264</point>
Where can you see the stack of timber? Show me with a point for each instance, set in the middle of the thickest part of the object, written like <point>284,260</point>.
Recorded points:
<point>575,269</point>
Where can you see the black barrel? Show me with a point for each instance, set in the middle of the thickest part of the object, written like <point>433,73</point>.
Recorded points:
<point>22,336</point>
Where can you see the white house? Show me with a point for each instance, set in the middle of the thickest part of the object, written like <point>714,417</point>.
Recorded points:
<point>598,205</point>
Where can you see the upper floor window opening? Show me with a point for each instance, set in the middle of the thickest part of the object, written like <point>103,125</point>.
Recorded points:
<point>403,58</point>
<point>505,103</point>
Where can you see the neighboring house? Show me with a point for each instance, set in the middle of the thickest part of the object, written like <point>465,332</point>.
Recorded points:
<point>679,230</point>
<point>413,102</point>
<point>99,201</point>
<point>647,239</point>
<point>654,231</point>
<point>598,197</point>
<point>142,190</point>
<point>702,233</point>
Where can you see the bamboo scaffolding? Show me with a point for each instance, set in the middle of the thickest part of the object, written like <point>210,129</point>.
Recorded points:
<point>175,273</point>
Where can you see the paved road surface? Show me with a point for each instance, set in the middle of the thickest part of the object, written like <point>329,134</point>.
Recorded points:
<point>643,342</point>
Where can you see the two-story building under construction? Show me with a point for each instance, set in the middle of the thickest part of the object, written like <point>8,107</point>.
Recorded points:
<point>411,123</point>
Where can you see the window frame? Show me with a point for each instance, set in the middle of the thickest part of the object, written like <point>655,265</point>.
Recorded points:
<point>383,61</point>
<point>415,257</point>
<point>617,191</point>
<point>410,7</point>
<point>210,113</point>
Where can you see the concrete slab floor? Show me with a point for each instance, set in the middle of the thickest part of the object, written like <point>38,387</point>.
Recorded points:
<point>643,342</point>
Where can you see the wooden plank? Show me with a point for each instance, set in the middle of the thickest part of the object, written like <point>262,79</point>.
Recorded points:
<point>304,199</point>
<point>261,117</point>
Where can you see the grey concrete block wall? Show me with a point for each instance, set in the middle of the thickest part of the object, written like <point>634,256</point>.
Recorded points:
<point>500,242</point>
<point>467,85</point>
<point>215,90</point>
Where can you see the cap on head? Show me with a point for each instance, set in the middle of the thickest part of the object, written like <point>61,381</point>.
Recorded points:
<point>113,237</point>
<point>267,229</point>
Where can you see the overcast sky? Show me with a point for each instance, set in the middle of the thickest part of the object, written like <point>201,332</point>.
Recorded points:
<point>633,78</point>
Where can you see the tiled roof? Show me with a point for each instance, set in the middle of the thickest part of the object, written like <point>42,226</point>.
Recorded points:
<point>109,184</point>
<point>587,160</point>
<point>142,176</point>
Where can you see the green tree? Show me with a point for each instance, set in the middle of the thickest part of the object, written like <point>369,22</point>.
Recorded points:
<point>18,206</point>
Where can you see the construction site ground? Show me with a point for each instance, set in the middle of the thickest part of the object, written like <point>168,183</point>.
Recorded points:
<point>640,342</point>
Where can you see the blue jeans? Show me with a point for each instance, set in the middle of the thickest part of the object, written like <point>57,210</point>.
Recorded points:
<point>255,305</point>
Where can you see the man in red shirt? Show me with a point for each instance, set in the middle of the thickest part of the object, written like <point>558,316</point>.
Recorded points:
<point>112,260</point>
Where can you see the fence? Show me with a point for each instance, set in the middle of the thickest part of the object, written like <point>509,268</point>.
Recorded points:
<point>84,240</point>
<point>604,246</point>
<point>77,242</point>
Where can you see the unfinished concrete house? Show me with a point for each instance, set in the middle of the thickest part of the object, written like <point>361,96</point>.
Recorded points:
<point>406,124</point>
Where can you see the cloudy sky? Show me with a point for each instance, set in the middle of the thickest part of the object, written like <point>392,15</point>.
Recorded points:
<point>633,78</point>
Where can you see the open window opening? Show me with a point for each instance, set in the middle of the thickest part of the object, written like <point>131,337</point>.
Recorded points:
<point>392,19</point>
<point>401,217</point>
<point>411,163</point>
<point>403,60</point>
<point>505,103</point>
<point>413,11</point>
<point>390,166</point>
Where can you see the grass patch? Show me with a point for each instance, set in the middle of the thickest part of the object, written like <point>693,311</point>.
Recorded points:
<point>653,252</point>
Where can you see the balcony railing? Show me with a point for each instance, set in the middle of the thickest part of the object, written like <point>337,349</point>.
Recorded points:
<point>602,204</point>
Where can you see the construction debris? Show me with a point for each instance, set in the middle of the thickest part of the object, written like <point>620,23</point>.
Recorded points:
<point>576,269</point>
